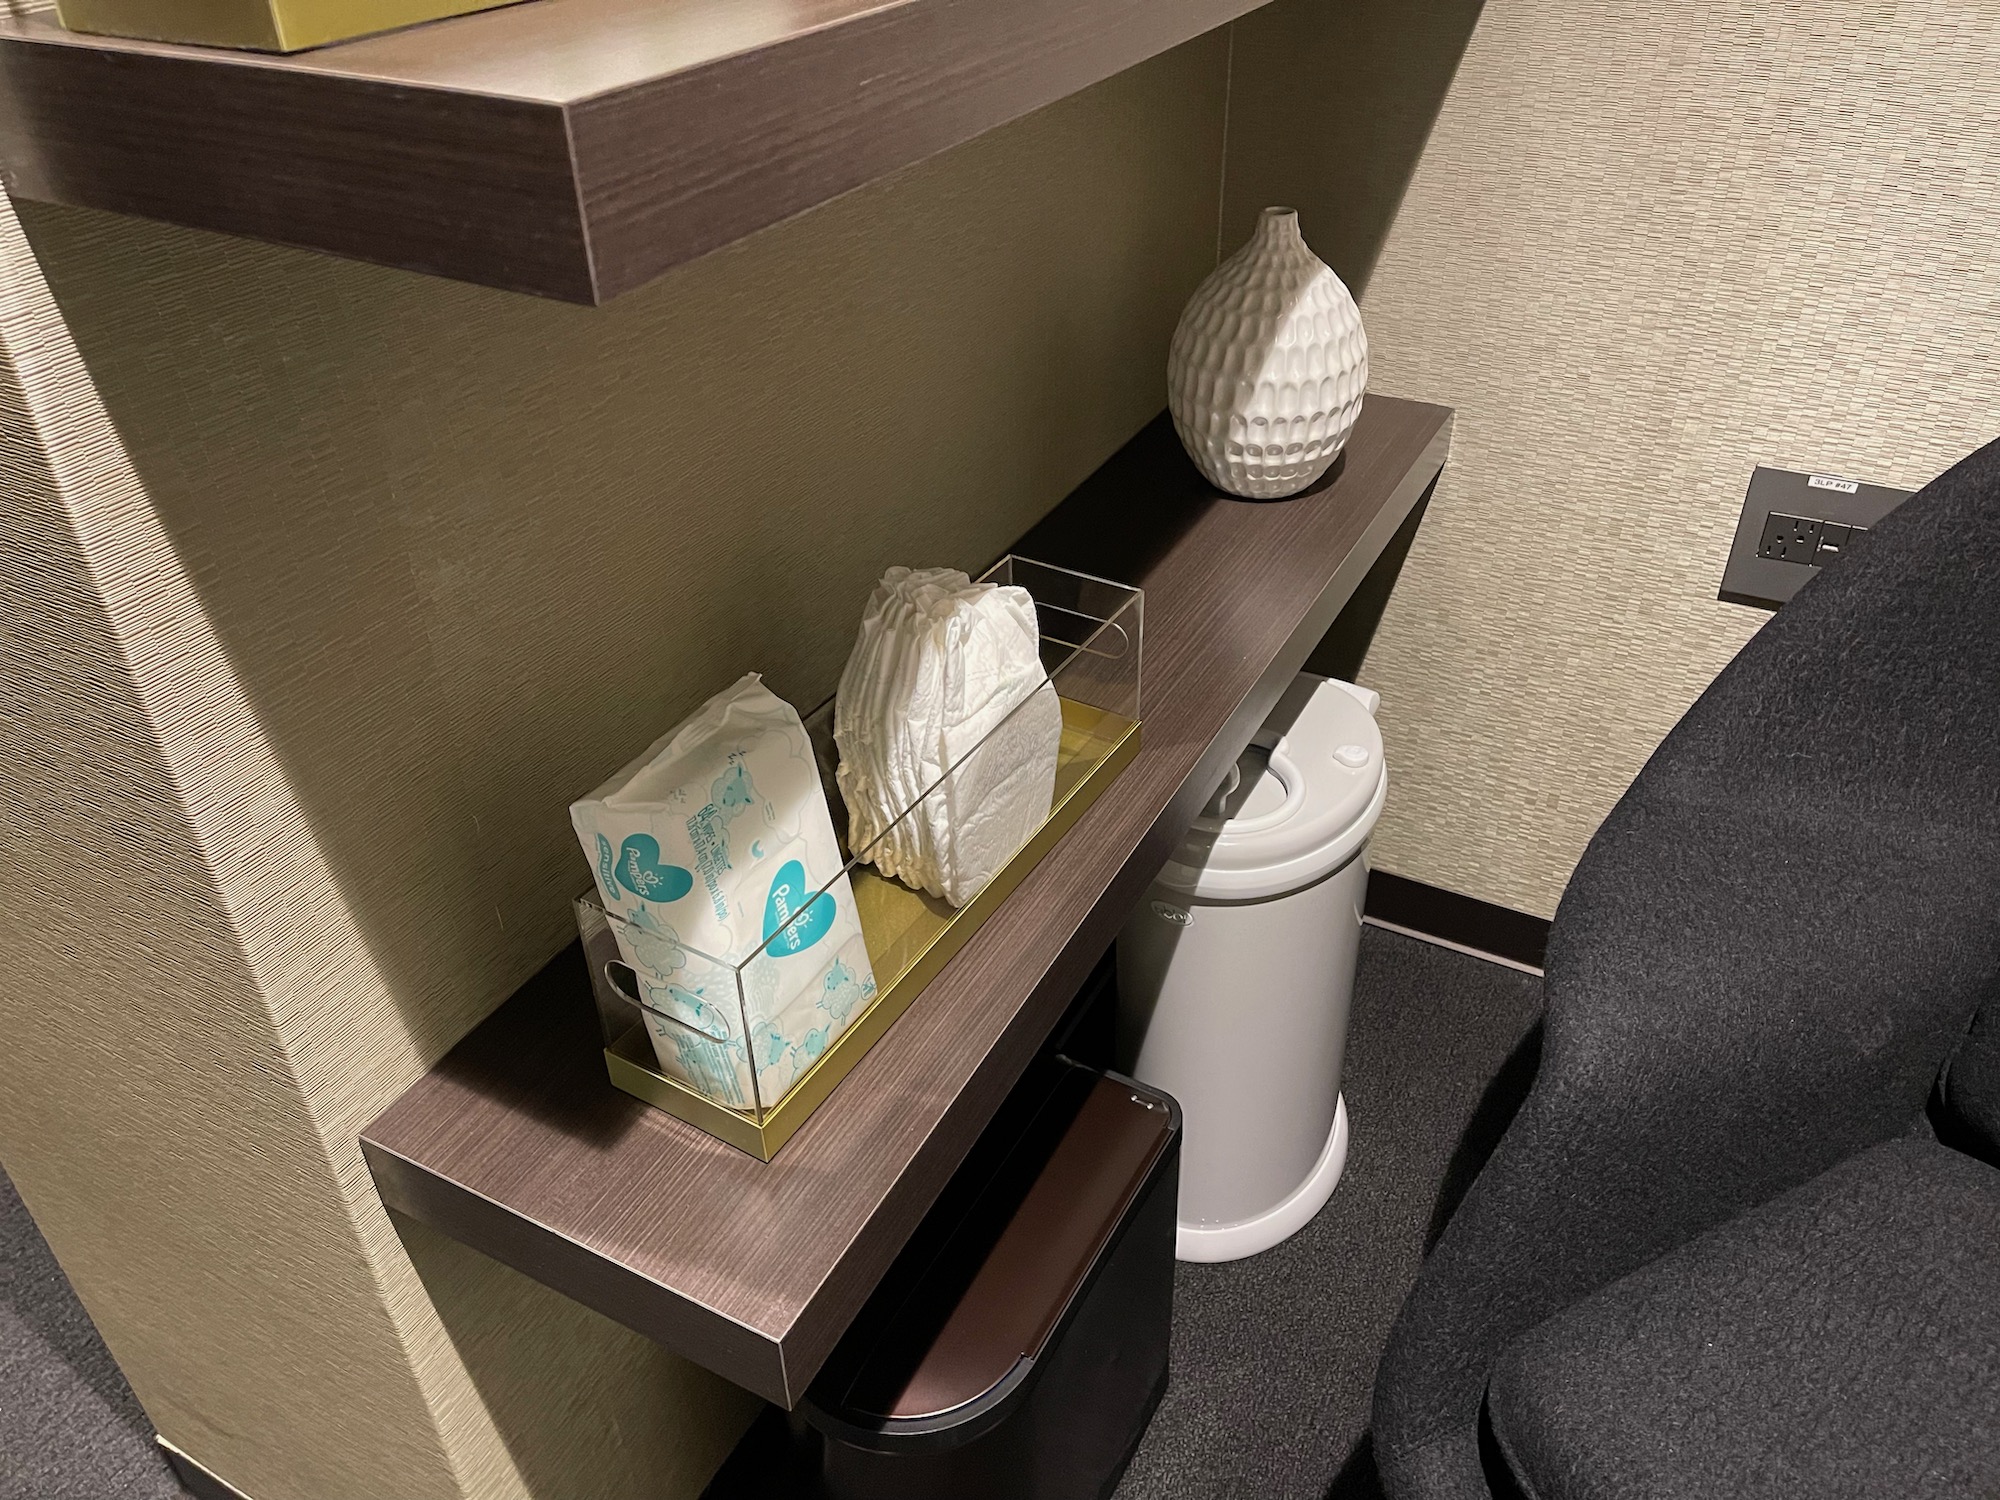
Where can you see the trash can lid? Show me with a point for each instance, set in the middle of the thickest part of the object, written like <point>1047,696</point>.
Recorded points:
<point>1299,802</point>
<point>959,1328</point>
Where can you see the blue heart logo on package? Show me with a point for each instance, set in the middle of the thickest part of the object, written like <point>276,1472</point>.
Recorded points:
<point>642,872</point>
<point>781,910</point>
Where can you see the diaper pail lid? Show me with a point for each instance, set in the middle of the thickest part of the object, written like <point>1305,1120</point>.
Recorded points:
<point>1299,803</point>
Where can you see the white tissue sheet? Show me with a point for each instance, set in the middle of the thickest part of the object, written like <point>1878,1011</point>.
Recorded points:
<point>945,685</point>
<point>703,847</point>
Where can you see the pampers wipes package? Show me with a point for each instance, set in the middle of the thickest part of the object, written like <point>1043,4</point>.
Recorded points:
<point>712,844</point>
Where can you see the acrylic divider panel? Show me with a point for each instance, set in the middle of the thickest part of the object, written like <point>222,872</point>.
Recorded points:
<point>747,1049</point>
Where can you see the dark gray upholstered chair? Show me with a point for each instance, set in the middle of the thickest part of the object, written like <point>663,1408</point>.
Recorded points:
<point>1743,1235</point>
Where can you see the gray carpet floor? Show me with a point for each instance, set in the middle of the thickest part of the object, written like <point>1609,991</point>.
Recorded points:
<point>1274,1356</point>
<point>70,1428</point>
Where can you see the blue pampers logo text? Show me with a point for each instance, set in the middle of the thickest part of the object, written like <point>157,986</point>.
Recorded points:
<point>642,872</point>
<point>788,929</point>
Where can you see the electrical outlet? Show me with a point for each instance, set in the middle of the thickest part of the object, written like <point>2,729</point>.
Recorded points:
<point>1789,538</point>
<point>1800,539</point>
<point>1833,540</point>
<point>1792,526</point>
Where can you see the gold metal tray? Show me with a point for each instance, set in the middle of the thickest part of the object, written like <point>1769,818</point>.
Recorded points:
<point>258,25</point>
<point>910,938</point>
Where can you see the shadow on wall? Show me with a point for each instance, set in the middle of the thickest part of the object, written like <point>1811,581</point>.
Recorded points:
<point>462,553</point>
<point>1345,98</point>
<point>469,551</point>
<point>559,1379</point>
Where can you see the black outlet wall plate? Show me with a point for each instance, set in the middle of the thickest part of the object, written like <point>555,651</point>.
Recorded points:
<point>1793,525</point>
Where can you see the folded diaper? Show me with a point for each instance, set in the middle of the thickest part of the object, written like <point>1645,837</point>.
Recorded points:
<point>945,695</point>
<point>708,847</point>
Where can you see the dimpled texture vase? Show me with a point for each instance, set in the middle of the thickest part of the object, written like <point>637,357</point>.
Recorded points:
<point>1268,366</point>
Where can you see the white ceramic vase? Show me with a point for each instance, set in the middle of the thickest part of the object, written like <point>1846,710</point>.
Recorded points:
<point>1268,366</point>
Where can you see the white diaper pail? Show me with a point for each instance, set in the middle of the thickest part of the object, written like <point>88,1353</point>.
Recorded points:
<point>1235,972</point>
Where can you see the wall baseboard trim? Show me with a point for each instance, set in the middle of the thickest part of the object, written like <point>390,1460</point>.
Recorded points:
<point>1465,923</point>
<point>196,1480</point>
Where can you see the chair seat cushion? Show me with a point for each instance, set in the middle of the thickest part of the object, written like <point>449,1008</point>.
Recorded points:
<point>1842,1340</point>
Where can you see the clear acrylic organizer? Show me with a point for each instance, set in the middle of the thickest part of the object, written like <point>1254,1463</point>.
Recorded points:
<point>724,1047</point>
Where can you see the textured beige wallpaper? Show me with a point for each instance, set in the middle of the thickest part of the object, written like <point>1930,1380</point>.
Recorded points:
<point>398,567</point>
<point>1645,249</point>
<point>170,929</point>
<point>293,706</point>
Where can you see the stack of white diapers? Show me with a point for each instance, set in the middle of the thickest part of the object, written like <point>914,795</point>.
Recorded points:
<point>941,664</point>
<point>709,846</point>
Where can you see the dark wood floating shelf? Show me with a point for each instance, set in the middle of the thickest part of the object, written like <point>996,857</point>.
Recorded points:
<point>518,1145</point>
<point>571,148</point>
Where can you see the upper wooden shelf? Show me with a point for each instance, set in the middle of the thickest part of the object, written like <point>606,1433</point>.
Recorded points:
<point>571,148</point>
<point>518,1145</point>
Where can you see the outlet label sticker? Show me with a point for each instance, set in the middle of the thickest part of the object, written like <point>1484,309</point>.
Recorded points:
<point>1827,482</point>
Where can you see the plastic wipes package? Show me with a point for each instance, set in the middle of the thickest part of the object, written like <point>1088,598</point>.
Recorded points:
<point>704,847</point>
